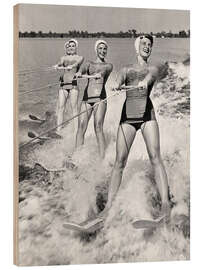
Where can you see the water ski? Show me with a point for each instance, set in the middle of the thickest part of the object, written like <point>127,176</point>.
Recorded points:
<point>89,226</point>
<point>50,135</point>
<point>36,118</point>
<point>148,224</point>
<point>33,135</point>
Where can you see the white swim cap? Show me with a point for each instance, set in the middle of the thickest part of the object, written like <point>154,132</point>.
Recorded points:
<point>137,41</point>
<point>99,42</point>
<point>137,44</point>
<point>71,40</point>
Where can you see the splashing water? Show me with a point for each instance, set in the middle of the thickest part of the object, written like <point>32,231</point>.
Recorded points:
<point>48,199</point>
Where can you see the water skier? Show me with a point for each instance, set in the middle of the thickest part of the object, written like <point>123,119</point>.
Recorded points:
<point>70,63</point>
<point>138,113</point>
<point>95,91</point>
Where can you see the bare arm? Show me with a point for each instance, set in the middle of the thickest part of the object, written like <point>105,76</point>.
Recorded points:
<point>78,62</point>
<point>83,69</point>
<point>120,79</point>
<point>109,70</point>
<point>59,64</point>
<point>155,73</point>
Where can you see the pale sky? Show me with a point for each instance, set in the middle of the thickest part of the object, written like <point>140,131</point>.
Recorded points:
<point>58,18</point>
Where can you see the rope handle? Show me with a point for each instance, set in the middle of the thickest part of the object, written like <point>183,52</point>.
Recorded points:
<point>87,77</point>
<point>128,88</point>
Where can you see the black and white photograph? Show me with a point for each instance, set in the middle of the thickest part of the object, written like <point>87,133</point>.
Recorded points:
<point>102,135</point>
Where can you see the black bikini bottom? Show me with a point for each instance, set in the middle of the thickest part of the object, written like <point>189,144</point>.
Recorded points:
<point>92,103</point>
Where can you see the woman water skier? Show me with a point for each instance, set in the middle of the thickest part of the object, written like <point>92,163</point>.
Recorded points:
<point>95,91</point>
<point>70,63</point>
<point>138,113</point>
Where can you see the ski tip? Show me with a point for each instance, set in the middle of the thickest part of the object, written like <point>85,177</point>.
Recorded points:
<point>33,117</point>
<point>31,134</point>
<point>85,227</point>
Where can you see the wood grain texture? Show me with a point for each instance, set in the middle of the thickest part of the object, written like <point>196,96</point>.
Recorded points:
<point>15,134</point>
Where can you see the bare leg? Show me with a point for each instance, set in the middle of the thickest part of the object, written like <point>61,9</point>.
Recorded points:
<point>99,114</point>
<point>150,132</point>
<point>62,98</point>
<point>74,106</point>
<point>125,137</point>
<point>82,123</point>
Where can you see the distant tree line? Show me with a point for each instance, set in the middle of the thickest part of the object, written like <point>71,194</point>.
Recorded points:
<point>84,34</point>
